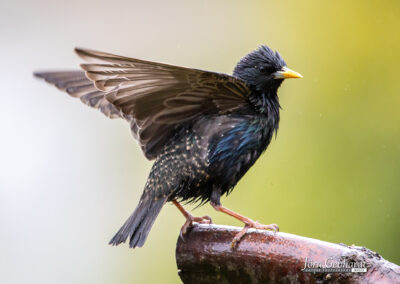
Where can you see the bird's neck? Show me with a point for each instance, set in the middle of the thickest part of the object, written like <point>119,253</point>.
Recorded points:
<point>267,105</point>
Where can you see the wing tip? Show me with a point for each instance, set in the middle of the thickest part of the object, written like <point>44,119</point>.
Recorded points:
<point>82,52</point>
<point>39,74</point>
<point>91,55</point>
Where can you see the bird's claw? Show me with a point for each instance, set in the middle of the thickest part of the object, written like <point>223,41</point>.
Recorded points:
<point>271,227</point>
<point>203,220</point>
<point>190,220</point>
<point>255,225</point>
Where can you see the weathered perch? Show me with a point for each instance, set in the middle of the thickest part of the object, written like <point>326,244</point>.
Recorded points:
<point>205,256</point>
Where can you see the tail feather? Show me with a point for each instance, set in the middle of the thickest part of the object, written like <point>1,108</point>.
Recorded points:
<point>138,225</point>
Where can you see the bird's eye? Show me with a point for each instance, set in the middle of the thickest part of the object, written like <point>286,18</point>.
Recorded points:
<point>262,69</point>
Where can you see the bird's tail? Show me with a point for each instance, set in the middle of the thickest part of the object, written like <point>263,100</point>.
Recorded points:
<point>138,225</point>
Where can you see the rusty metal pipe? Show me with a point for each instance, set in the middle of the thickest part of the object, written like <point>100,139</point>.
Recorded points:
<point>205,256</point>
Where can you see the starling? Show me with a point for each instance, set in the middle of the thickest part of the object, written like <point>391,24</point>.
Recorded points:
<point>203,129</point>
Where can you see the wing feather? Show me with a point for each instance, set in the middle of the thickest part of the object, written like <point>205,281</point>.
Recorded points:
<point>77,85</point>
<point>155,98</point>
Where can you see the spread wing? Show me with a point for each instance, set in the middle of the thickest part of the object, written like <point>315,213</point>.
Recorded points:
<point>158,98</point>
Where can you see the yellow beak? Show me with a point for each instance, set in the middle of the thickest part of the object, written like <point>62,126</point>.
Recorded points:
<point>286,73</point>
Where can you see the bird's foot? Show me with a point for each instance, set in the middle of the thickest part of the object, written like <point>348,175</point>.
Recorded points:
<point>252,224</point>
<point>190,219</point>
<point>189,223</point>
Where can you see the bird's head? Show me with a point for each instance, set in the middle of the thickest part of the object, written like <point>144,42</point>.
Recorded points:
<point>264,70</point>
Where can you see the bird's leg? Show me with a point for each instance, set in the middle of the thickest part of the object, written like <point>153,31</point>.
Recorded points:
<point>190,219</point>
<point>248,223</point>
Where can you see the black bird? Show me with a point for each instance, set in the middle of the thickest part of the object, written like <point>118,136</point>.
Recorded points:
<point>203,129</point>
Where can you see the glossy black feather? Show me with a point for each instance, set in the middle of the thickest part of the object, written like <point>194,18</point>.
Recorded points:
<point>204,129</point>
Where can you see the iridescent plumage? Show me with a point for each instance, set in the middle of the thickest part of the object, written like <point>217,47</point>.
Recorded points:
<point>203,129</point>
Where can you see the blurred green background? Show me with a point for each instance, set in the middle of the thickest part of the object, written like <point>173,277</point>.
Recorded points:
<point>69,177</point>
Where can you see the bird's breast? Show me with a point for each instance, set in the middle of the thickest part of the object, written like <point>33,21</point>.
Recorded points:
<point>231,144</point>
<point>217,150</point>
